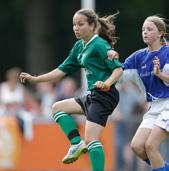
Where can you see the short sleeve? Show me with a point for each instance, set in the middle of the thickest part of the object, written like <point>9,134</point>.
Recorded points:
<point>102,53</point>
<point>130,62</point>
<point>70,65</point>
<point>112,64</point>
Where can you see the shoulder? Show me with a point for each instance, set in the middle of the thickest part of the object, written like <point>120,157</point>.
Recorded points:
<point>78,44</point>
<point>3,85</point>
<point>165,48</point>
<point>100,44</point>
<point>99,40</point>
<point>163,52</point>
<point>139,52</point>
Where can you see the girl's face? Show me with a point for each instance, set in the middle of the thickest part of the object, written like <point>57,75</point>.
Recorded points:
<point>81,27</point>
<point>150,33</point>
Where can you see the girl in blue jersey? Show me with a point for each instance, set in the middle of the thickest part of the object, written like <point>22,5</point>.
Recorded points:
<point>96,35</point>
<point>152,66</point>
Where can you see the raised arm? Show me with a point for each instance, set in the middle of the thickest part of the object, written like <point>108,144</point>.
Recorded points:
<point>164,76</point>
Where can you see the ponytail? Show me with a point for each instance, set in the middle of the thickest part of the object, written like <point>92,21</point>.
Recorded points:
<point>107,28</point>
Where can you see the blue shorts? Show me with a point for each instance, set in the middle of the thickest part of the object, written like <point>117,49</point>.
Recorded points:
<point>99,104</point>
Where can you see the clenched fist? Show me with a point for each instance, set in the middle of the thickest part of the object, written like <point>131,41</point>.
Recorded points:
<point>101,85</point>
<point>27,77</point>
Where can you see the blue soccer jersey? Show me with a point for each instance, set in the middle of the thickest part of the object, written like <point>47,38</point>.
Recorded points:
<point>142,61</point>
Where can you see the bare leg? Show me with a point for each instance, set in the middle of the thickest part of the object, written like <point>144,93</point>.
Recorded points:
<point>152,145</point>
<point>70,106</point>
<point>138,142</point>
<point>92,131</point>
<point>95,148</point>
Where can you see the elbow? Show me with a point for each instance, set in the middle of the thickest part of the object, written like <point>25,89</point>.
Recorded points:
<point>120,71</point>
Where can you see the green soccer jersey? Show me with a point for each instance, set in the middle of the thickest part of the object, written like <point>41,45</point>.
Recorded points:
<point>93,58</point>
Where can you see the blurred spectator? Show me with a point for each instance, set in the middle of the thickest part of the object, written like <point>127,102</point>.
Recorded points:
<point>49,92</point>
<point>67,88</point>
<point>17,101</point>
<point>127,117</point>
<point>48,95</point>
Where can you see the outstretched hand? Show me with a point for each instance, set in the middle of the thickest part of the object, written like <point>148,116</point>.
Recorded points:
<point>27,77</point>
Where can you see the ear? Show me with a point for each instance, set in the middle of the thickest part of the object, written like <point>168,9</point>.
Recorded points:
<point>92,27</point>
<point>161,34</point>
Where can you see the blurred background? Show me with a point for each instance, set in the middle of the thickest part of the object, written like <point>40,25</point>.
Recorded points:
<point>36,36</point>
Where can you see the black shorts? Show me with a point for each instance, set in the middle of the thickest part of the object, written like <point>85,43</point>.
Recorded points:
<point>99,104</point>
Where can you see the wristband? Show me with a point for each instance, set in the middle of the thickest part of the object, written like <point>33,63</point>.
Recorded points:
<point>105,87</point>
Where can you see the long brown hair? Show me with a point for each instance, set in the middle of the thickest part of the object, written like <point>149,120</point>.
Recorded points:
<point>104,26</point>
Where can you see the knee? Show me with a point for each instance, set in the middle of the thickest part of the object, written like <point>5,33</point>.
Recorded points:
<point>89,139</point>
<point>137,148</point>
<point>149,146</point>
<point>55,108</point>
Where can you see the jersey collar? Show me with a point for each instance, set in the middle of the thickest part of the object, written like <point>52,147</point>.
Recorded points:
<point>85,45</point>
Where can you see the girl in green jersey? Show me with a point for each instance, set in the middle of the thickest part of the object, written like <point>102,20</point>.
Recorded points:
<point>95,37</point>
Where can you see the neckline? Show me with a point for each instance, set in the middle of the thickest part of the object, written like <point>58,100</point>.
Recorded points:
<point>92,38</point>
<point>155,50</point>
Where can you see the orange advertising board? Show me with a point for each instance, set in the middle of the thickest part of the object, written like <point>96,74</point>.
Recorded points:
<point>10,143</point>
<point>48,147</point>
